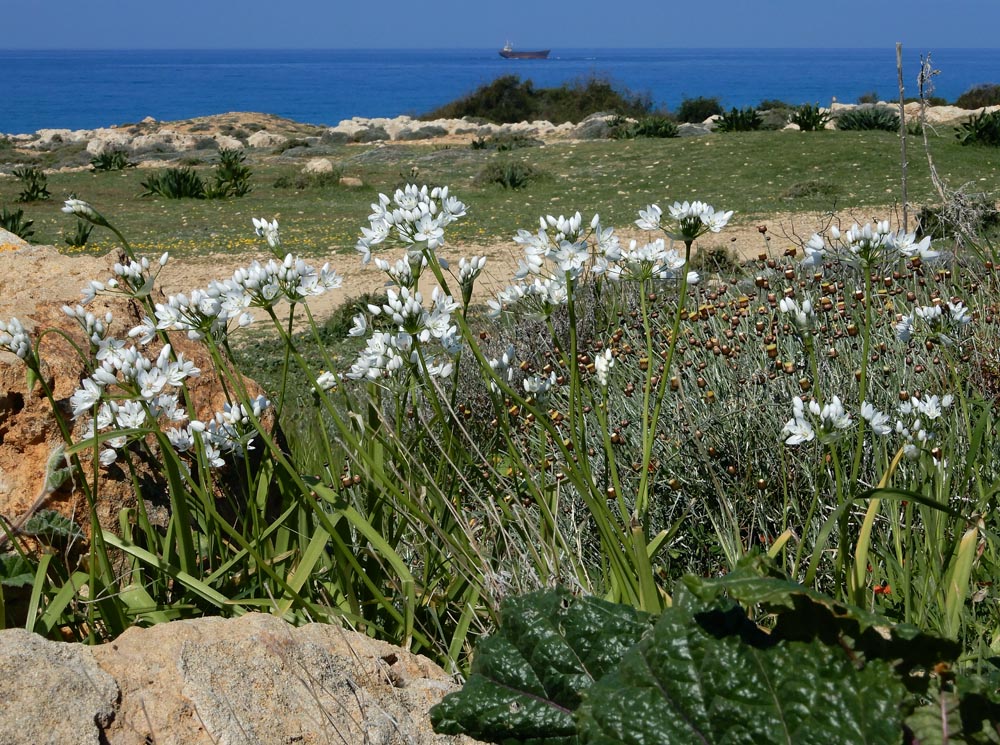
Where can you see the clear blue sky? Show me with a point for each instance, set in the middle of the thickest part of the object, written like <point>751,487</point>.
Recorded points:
<point>324,24</point>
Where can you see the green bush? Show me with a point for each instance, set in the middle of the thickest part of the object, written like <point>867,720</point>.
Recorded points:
<point>870,97</point>
<point>34,184</point>
<point>508,99</point>
<point>649,126</point>
<point>174,183</point>
<point>289,144</point>
<point>510,174</point>
<point>739,120</point>
<point>982,129</point>
<point>697,110</point>
<point>978,96</point>
<point>869,118</point>
<point>111,160</point>
<point>505,141</point>
<point>14,222</point>
<point>303,181</point>
<point>809,118</point>
<point>232,176</point>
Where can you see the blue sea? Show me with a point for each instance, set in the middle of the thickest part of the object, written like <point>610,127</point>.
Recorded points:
<point>88,89</point>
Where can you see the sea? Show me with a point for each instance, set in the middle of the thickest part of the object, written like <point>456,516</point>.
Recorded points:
<point>89,89</point>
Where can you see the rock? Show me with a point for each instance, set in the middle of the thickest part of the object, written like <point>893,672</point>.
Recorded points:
<point>148,120</point>
<point>421,132</point>
<point>11,242</point>
<point>225,142</point>
<point>318,165</point>
<point>265,139</point>
<point>52,693</point>
<point>351,182</point>
<point>594,127</point>
<point>169,141</point>
<point>688,129</point>
<point>371,134</point>
<point>252,680</point>
<point>108,139</point>
<point>791,127</point>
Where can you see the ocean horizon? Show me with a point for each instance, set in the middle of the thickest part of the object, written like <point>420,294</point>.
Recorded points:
<point>86,89</point>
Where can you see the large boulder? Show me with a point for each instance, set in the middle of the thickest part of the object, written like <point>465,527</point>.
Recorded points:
<point>253,680</point>
<point>265,139</point>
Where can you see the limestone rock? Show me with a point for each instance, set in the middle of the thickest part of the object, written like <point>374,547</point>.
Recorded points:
<point>689,129</point>
<point>351,182</point>
<point>318,165</point>
<point>225,142</point>
<point>52,693</point>
<point>9,241</point>
<point>265,139</point>
<point>253,680</point>
<point>169,141</point>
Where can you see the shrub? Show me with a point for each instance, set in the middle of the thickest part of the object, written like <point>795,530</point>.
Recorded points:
<point>111,160</point>
<point>303,181</point>
<point>739,120</point>
<point>510,174</point>
<point>14,222</point>
<point>289,144</point>
<point>697,110</point>
<point>232,175</point>
<point>505,141</point>
<point>869,97</point>
<point>978,96</point>
<point>508,99</point>
<point>869,118</point>
<point>34,184</point>
<point>809,118</point>
<point>174,183</point>
<point>982,129</point>
<point>620,128</point>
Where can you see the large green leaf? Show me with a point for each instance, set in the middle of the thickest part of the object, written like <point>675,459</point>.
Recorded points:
<point>15,571</point>
<point>714,677</point>
<point>529,677</point>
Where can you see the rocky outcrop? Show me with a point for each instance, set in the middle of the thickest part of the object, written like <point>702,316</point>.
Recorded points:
<point>318,166</point>
<point>263,139</point>
<point>253,680</point>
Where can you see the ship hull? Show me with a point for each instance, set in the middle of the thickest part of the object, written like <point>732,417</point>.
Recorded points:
<point>543,54</point>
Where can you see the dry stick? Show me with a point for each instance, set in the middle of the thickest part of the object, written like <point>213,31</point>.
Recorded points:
<point>925,86</point>
<point>904,164</point>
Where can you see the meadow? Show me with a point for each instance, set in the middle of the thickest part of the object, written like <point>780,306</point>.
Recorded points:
<point>625,421</point>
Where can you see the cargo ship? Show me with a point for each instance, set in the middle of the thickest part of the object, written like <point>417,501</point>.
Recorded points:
<point>508,53</point>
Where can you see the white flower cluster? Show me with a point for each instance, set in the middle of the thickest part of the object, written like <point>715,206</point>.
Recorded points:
<point>504,368</point>
<point>14,338</point>
<point>688,220</point>
<point>803,315</point>
<point>942,323</point>
<point>386,353</point>
<point>829,422</point>
<point>561,252</point>
<point>414,214</point>
<point>866,245</point>
<point>212,310</point>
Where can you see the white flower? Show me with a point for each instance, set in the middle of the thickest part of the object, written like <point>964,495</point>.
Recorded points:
<point>878,421</point>
<point>268,230</point>
<point>85,397</point>
<point>649,219</point>
<point>14,338</point>
<point>83,209</point>
<point>602,365</point>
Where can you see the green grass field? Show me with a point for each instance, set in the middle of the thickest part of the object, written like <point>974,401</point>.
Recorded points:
<point>756,174</point>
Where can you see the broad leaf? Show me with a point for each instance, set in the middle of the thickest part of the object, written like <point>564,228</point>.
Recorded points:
<point>15,571</point>
<point>714,677</point>
<point>529,677</point>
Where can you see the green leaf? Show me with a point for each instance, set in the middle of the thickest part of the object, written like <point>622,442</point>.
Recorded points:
<point>714,677</point>
<point>963,711</point>
<point>15,571</point>
<point>530,676</point>
<point>49,525</point>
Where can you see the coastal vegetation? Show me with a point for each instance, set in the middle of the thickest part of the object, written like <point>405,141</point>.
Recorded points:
<point>509,99</point>
<point>787,461</point>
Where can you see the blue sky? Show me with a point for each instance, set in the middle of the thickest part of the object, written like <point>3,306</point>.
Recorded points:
<point>321,24</point>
